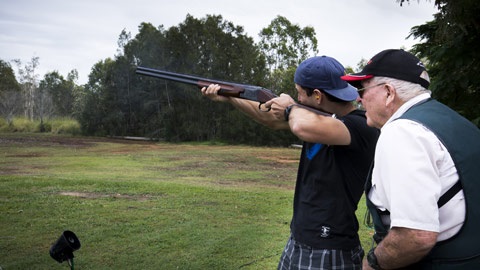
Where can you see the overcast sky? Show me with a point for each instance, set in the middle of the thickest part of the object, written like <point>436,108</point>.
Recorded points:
<point>68,34</point>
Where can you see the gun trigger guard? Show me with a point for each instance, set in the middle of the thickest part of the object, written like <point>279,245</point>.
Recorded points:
<point>260,108</point>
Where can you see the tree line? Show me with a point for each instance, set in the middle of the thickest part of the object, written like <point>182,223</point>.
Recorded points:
<point>117,102</point>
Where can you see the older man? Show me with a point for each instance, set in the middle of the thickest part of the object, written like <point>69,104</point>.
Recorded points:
<point>424,186</point>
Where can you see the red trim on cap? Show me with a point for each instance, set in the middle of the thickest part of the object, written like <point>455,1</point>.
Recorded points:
<point>352,77</point>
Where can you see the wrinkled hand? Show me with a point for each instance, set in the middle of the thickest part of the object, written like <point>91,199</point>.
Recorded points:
<point>212,93</point>
<point>279,104</point>
<point>365,265</point>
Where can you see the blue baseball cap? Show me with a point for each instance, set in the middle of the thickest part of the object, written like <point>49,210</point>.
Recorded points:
<point>323,73</point>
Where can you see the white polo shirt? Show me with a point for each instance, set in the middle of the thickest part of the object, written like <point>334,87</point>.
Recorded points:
<point>412,170</point>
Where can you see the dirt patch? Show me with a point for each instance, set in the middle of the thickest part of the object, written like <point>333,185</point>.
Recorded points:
<point>67,141</point>
<point>280,159</point>
<point>9,170</point>
<point>27,155</point>
<point>44,141</point>
<point>93,195</point>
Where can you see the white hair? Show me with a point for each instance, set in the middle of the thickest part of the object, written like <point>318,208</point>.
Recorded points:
<point>405,90</point>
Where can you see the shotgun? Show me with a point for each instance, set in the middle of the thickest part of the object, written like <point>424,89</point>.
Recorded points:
<point>228,89</point>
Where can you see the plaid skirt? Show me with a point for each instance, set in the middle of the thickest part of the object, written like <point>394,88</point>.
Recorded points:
<point>299,256</point>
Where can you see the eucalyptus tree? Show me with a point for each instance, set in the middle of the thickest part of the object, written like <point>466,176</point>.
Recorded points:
<point>214,48</point>
<point>59,91</point>
<point>100,115</point>
<point>209,47</point>
<point>10,96</point>
<point>147,102</point>
<point>286,45</point>
<point>44,105</point>
<point>28,79</point>
<point>8,82</point>
<point>450,50</point>
<point>118,102</point>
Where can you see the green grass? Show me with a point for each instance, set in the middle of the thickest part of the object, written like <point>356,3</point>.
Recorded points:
<point>145,205</point>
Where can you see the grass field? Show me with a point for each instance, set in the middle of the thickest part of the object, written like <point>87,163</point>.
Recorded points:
<point>145,205</point>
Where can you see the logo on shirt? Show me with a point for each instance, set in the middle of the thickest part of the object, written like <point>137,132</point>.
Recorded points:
<point>313,150</point>
<point>325,231</point>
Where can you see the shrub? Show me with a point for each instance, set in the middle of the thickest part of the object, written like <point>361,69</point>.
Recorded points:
<point>4,125</point>
<point>55,126</point>
<point>65,126</point>
<point>22,124</point>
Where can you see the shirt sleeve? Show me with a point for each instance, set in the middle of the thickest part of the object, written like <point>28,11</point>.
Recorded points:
<point>406,175</point>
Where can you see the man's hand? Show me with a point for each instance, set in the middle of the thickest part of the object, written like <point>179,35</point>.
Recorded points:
<point>403,247</point>
<point>279,104</point>
<point>365,265</point>
<point>212,93</point>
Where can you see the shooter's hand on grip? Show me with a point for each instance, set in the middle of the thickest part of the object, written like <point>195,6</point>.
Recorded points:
<point>279,104</point>
<point>211,92</point>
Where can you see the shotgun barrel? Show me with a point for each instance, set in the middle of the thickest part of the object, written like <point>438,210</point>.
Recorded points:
<point>230,89</point>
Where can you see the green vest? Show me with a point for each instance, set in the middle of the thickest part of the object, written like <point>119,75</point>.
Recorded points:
<point>462,140</point>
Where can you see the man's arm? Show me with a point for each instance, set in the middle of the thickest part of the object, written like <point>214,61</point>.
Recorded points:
<point>402,247</point>
<point>310,126</point>
<point>248,107</point>
<point>305,124</point>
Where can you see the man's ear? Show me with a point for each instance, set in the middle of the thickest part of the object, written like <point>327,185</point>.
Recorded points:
<point>318,95</point>
<point>391,94</point>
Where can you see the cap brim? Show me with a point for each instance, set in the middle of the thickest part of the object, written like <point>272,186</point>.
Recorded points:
<point>355,77</point>
<point>348,93</point>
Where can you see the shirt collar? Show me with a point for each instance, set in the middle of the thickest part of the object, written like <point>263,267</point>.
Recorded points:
<point>407,105</point>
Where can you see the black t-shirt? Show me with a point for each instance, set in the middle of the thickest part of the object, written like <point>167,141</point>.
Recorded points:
<point>330,183</point>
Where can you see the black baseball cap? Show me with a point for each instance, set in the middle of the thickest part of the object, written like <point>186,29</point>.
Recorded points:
<point>393,63</point>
